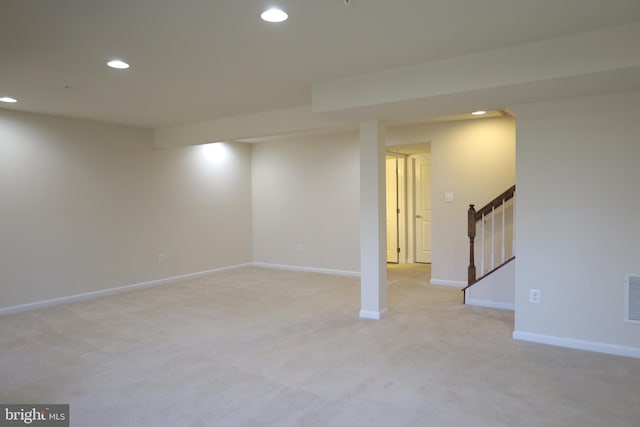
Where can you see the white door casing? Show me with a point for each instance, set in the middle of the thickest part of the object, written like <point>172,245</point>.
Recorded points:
<point>392,209</point>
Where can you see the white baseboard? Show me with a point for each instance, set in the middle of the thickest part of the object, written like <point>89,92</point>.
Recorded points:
<point>490,304</point>
<point>307,269</point>
<point>113,291</point>
<point>598,347</point>
<point>454,283</point>
<point>371,314</point>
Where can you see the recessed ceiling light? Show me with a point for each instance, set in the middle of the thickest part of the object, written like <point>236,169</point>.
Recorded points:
<point>8,99</point>
<point>479,113</point>
<point>274,15</point>
<point>116,63</point>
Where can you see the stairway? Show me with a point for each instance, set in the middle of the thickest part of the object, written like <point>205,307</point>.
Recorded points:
<point>491,282</point>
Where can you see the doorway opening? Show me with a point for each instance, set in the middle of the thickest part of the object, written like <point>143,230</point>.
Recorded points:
<point>408,196</point>
<point>394,192</point>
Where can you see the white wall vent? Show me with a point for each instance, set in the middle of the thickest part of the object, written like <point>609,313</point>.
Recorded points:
<point>632,298</point>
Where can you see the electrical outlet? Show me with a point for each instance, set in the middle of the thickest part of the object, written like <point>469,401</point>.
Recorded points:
<point>534,296</point>
<point>161,258</point>
<point>300,248</point>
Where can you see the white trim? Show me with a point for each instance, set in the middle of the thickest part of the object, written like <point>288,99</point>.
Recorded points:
<point>490,304</point>
<point>598,347</point>
<point>329,271</point>
<point>402,205</point>
<point>113,291</point>
<point>373,315</point>
<point>401,165</point>
<point>411,210</point>
<point>454,283</point>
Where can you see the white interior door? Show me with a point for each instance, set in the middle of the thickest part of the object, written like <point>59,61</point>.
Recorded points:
<point>422,197</point>
<point>392,209</point>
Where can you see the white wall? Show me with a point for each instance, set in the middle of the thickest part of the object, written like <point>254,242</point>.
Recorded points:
<point>306,189</point>
<point>88,206</point>
<point>577,220</point>
<point>473,159</point>
<point>496,290</point>
<point>306,192</point>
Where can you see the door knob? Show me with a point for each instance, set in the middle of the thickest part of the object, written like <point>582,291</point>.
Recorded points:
<point>418,216</point>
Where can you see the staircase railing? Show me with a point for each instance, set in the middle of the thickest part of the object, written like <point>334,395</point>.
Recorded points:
<point>494,239</point>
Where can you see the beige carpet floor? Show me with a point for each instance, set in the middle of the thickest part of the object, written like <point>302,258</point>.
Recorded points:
<point>258,347</point>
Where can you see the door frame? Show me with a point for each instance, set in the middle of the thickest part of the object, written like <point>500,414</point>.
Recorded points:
<point>402,205</point>
<point>392,210</point>
<point>411,209</point>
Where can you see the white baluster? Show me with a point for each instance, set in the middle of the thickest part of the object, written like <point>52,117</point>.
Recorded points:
<point>482,250</point>
<point>503,248</point>
<point>493,238</point>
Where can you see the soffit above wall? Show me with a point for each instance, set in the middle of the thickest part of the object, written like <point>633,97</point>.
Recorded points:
<point>194,61</point>
<point>584,64</point>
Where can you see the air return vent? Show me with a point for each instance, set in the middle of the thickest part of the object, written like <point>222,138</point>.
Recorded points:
<point>632,298</point>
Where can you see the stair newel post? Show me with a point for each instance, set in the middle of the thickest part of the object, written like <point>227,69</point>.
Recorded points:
<point>471,227</point>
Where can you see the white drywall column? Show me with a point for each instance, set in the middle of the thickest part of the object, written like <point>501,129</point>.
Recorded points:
<point>373,266</point>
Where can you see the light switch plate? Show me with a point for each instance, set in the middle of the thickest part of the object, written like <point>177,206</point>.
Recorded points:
<point>448,197</point>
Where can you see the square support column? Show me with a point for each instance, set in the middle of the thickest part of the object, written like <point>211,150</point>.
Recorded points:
<point>373,221</point>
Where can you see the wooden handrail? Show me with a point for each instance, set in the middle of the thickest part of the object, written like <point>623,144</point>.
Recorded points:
<point>473,217</point>
<point>504,197</point>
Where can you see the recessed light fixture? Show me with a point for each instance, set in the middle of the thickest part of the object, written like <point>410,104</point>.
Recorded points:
<point>479,113</point>
<point>274,15</point>
<point>119,64</point>
<point>8,99</point>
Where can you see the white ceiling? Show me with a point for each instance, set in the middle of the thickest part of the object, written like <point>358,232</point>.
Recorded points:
<point>194,60</point>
